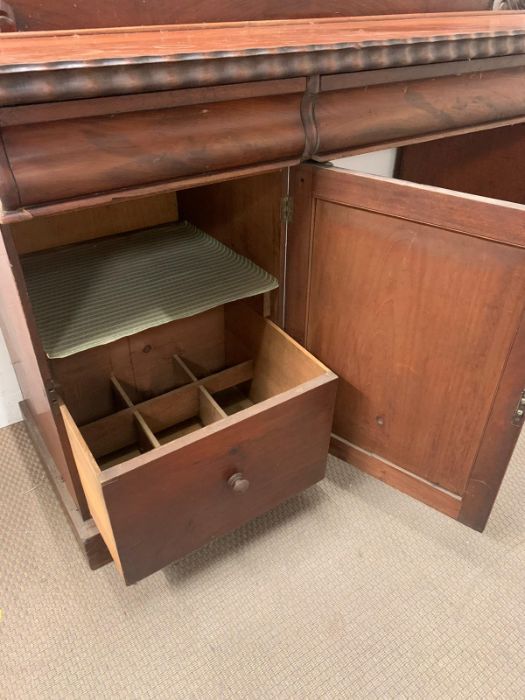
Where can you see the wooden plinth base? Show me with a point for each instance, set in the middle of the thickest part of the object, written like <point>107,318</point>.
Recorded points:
<point>85,531</point>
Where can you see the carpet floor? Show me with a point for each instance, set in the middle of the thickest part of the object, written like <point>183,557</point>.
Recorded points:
<point>351,590</point>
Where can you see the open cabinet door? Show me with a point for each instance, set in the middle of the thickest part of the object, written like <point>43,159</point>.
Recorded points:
<point>414,296</point>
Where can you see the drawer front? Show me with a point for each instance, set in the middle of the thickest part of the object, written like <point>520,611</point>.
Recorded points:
<point>130,150</point>
<point>403,111</point>
<point>162,505</point>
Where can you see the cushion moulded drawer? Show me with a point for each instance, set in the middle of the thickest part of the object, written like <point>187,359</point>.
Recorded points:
<point>241,461</point>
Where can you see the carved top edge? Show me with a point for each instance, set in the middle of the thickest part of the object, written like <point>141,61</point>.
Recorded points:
<point>476,43</point>
<point>123,46</point>
<point>114,62</point>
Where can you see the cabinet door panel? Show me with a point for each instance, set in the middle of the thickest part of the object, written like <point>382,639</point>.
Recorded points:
<point>417,309</point>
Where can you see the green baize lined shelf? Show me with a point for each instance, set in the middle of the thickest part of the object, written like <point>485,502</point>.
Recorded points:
<point>90,294</point>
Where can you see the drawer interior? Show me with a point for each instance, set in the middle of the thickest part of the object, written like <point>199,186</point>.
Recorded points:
<point>133,396</point>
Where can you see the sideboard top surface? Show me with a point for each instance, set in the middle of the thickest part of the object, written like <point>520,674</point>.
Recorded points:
<point>140,44</point>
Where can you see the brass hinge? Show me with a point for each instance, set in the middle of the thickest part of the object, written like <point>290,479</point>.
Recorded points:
<point>51,389</point>
<point>287,210</point>
<point>519,413</point>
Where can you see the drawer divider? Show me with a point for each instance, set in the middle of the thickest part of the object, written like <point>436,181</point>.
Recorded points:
<point>120,394</point>
<point>226,378</point>
<point>185,369</point>
<point>145,436</point>
<point>210,411</point>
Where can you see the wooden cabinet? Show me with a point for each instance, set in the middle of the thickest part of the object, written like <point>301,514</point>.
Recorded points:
<point>181,377</point>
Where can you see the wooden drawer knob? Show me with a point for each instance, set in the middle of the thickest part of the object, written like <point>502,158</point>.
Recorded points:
<point>238,484</point>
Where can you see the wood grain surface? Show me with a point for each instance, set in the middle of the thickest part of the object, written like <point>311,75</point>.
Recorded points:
<point>129,143</point>
<point>163,149</point>
<point>137,43</point>
<point>47,66</point>
<point>414,300</point>
<point>61,14</point>
<point>128,150</point>
<point>405,110</point>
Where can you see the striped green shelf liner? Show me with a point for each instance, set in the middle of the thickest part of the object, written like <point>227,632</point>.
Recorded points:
<point>91,294</point>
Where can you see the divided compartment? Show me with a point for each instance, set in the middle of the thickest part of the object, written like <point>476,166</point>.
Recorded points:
<point>145,425</point>
<point>199,398</point>
<point>165,474</point>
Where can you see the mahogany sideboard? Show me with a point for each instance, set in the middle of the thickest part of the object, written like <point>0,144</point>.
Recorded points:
<point>199,304</point>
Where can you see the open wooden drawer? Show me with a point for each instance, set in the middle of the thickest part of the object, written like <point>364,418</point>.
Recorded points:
<point>242,423</point>
<point>414,296</point>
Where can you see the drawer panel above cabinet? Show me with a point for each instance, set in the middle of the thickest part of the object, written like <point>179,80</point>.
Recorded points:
<point>126,150</point>
<point>351,119</point>
<point>224,448</point>
<point>414,297</point>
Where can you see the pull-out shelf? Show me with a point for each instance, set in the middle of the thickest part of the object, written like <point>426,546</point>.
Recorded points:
<point>165,475</point>
<point>94,293</point>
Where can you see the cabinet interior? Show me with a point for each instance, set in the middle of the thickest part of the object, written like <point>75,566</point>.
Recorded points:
<point>487,163</point>
<point>130,392</point>
<point>90,294</point>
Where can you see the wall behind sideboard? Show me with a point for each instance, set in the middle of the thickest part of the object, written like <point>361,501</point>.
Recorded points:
<point>378,163</point>
<point>9,391</point>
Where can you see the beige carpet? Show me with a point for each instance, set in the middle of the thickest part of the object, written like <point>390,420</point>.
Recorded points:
<point>349,591</point>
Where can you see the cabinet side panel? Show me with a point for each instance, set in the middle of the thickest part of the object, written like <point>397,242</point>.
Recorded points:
<point>245,215</point>
<point>30,364</point>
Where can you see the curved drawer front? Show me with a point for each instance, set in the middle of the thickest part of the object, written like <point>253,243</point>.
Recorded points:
<point>72,158</point>
<point>356,118</point>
